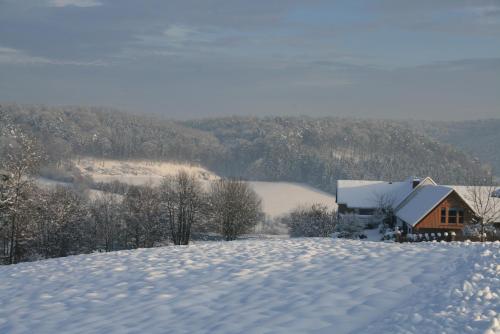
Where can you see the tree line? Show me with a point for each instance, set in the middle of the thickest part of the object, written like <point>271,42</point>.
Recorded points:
<point>316,151</point>
<point>56,222</point>
<point>44,222</point>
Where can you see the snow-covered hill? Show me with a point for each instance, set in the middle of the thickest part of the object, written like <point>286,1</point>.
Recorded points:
<point>278,198</point>
<point>259,286</point>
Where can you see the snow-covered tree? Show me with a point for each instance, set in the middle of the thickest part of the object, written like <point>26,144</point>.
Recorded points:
<point>313,221</point>
<point>64,225</point>
<point>20,158</point>
<point>481,194</point>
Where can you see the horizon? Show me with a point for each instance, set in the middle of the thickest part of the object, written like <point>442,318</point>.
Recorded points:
<point>167,117</point>
<point>196,59</point>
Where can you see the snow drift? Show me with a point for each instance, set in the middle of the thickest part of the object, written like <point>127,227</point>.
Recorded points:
<point>259,286</point>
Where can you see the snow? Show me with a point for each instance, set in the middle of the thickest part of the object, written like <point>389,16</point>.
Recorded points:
<point>484,194</point>
<point>260,286</point>
<point>372,234</point>
<point>279,198</point>
<point>92,193</point>
<point>137,172</point>
<point>421,202</point>
<point>48,183</point>
<point>366,194</point>
<point>466,301</point>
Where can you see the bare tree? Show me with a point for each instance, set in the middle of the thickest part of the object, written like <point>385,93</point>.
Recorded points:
<point>235,208</point>
<point>181,201</point>
<point>384,213</point>
<point>107,217</point>
<point>481,195</point>
<point>142,215</point>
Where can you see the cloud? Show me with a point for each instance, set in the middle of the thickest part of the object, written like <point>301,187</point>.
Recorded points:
<point>486,14</point>
<point>179,34</point>
<point>468,64</point>
<point>19,57</point>
<point>75,3</point>
<point>175,40</point>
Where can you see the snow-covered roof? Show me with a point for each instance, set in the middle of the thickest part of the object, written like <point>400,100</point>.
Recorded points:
<point>421,202</point>
<point>367,194</point>
<point>410,204</point>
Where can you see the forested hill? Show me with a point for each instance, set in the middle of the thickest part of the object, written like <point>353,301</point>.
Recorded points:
<point>311,150</point>
<point>322,150</point>
<point>99,132</point>
<point>480,138</point>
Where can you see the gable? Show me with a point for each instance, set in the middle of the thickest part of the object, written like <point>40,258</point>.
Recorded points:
<point>422,201</point>
<point>434,219</point>
<point>485,195</point>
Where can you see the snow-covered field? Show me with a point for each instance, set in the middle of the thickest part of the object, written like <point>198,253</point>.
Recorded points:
<point>260,286</point>
<point>279,198</point>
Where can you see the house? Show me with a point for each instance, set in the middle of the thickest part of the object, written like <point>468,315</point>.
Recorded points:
<point>365,199</point>
<point>415,205</point>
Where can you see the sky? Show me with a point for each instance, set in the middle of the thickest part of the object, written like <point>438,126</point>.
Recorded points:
<point>405,59</point>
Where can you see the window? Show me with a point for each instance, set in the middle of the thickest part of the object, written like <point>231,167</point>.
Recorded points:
<point>366,212</point>
<point>443,215</point>
<point>460,216</point>
<point>452,216</point>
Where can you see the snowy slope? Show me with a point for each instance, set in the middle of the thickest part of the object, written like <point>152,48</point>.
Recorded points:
<point>136,172</point>
<point>279,198</point>
<point>259,286</point>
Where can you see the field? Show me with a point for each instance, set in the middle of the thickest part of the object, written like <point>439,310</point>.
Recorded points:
<point>259,286</point>
<point>279,198</point>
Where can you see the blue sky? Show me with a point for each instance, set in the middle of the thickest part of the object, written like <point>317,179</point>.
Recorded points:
<point>200,58</point>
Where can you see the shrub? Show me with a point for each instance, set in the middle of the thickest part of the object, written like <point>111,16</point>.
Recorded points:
<point>314,221</point>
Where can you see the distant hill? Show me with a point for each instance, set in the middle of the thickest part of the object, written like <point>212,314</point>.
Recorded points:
<point>319,151</point>
<point>69,131</point>
<point>480,138</point>
<point>316,151</point>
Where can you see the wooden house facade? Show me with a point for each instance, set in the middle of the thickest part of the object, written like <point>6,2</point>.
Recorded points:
<point>419,206</point>
<point>451,214</point>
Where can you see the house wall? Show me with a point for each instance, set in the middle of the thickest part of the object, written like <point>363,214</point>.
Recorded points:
<point>344,209</point>
<point>433,219</point>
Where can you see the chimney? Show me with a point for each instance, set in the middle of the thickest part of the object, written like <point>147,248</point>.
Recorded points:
<point>415,182</point>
